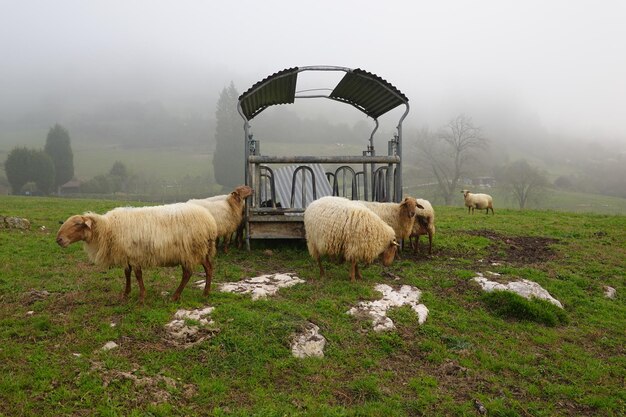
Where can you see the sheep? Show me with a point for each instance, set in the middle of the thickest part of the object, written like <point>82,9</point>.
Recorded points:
<point>135,237</point>
<point>346,229</point>
<point>400,216</point>
<point>228,212</point>
<point>424,224</point>
<point>477,201</point>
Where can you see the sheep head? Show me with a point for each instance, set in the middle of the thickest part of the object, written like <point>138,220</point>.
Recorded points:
<point>409,207</point>
<point>465,193</point>
<point>240,194</point>
<point>75,229</point>
<point>389,254</point>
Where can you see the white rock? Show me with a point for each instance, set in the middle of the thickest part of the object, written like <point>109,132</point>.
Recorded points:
<point>78,355</point>
<point>309,343</point>
<point>259,287</point>
<point>30,313</point>
<point>109,345</point>
<point>377,309</point>
<point>525,288</point>
<point>609,292</point>
<point>188,334</point>
<point>199,315</point>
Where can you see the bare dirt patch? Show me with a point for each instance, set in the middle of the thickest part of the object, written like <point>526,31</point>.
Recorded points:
<point>31,297</point>
<point>518,249</point>
<point>156,389</point>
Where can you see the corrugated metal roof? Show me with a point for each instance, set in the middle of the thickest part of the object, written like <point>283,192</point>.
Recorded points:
<point>366,91</point>
<point>278,88</point>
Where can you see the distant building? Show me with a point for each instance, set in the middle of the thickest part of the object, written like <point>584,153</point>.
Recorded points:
<point>71,187</point>
<point>484,182</point>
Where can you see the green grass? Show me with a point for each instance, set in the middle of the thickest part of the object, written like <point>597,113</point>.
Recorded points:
<point>160,163</point>
<point>511,305</point>
<point>516,364</point>
<point>550,199</point>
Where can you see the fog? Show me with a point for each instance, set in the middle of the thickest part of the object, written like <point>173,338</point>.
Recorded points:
<point>554,66</point>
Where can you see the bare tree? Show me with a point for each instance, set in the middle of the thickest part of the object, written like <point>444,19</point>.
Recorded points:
<point>448,152</point>
<point>523,180</point>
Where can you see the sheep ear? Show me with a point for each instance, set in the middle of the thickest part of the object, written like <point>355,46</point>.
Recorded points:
<point>394,243</point>
<point>88,222</point>
<point>419,206</point>
<point>236,195</point>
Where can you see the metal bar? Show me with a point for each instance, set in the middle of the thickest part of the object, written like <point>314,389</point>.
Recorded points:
<point>399,167</point>
<point>383,159</point>
<point>365,183</point>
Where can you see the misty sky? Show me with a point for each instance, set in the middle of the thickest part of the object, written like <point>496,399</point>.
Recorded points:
<point>562,62</point>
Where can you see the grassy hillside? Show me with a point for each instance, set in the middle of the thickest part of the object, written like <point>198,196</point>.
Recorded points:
<point>530,359</point>
<point>549,199</point>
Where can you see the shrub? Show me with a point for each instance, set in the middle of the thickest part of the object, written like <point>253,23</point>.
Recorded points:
<point>509,305</point>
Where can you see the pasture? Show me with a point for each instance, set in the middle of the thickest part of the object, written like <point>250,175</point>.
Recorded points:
<point>516,357</point>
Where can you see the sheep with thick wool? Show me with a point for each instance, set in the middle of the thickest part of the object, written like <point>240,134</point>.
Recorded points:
<point>227,211</point>
<point>338,227</point>
<point>424,224</point>
<point>136,237</point>
<point>400,216</point>
<point>477,201</point>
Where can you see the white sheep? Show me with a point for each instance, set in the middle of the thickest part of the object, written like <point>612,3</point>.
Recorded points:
<point>477,201</point>
<point>135,237</point>
<point>400,216</point>
<point>424,224</point>
<point>345,229</point>
<point>227,211</point>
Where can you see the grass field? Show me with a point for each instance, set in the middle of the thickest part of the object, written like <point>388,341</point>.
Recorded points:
<point>513,360</point>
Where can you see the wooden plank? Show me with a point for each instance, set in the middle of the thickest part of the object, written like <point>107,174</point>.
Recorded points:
<point>276,230</point>
<point>276,218</point>
<point>382,159</point>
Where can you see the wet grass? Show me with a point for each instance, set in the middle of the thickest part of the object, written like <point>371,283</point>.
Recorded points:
<point>514,362</point>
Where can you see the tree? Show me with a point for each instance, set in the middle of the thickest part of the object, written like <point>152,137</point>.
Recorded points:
<point>118,176</point>
<point>59,148</point>
<point>100,184</point>
<point>448,152</point>
<point>523,180</point>
<point>25,165</point>
<point>42,171</point>
<point>16,168</point>
<point>228,159</point>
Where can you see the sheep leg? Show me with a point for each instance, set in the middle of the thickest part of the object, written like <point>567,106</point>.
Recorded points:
<point>354,272</point>
<point>183,283</point>
<point>239,238</point>
<point>142,289</point>
<point>208,270</point>
<point>127,272</point>
<point>417,244</point>
<point>430,243</point>
<point>226,242</point>
<point>319,262</point>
